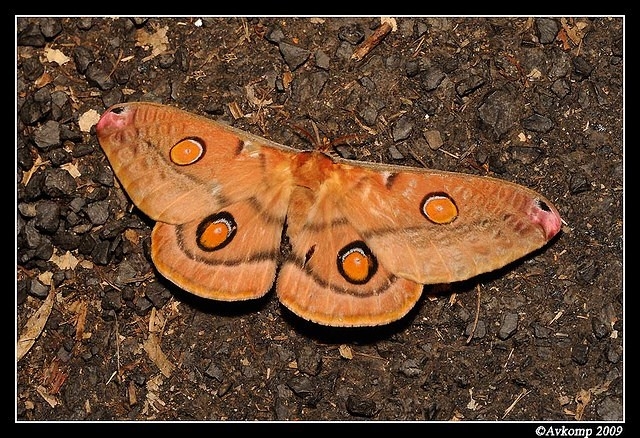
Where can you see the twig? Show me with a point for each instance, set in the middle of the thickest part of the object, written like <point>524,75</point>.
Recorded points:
<point>370,43</point>
<point>475,320</point>
<point>117,348</point>
<point>518,398</point>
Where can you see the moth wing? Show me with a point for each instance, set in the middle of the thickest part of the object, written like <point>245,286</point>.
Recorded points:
<point>178,167</point>
<point>331,277</point>
<point>441,227</point>
<point>219,196</point>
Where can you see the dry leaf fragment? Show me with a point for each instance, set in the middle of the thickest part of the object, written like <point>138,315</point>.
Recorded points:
<point>287,78</point>
<point>132,236</point>
<point>55,55</point>
<point>582,400</point>
<point>157,320</point>
<point>72,169</point>
<point>88,119</point>
<point>152,347</point>
<point>236,112</point>
<point>255,100</point>
<point>81,318</point>
<point>64,261</point>
<point>26,176</point>
<point>34,326</point>
<point>52,400</point>
<point>132,393</point>
<point>158,41</point>
<point>43,80</point>
<point>345,351</point>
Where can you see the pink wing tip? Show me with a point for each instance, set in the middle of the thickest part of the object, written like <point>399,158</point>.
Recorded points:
<point>113,120</point>
<point>547,217</point>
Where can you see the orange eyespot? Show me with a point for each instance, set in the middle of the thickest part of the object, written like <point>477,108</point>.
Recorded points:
<point>216,231</point>
<point>186,151</point>
<point>356,263</point>
<point>439,208</point>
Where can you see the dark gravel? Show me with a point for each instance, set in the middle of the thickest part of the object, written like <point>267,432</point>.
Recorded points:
<point>537,101</point>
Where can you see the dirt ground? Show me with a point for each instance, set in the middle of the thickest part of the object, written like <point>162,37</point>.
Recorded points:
<point>537,101</point>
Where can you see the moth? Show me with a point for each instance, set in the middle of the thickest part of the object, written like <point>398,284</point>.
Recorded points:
<point>364,238</point>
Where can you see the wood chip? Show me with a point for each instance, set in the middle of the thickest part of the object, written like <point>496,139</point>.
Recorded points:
<point>34,326</point>
<point>370,43</point>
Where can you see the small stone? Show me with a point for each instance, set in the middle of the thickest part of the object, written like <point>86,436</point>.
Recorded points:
<point>353,34</point>
<point>100,253</point>
<point>610,409</point>
<point>98,212</point>
<point>578,183</point>
<point>63,355</point>
<point>469,84</point>
<point>38,289</point>
<point>582,67</point>
<point>58,157</point>
<point>59,183</point>
<point>345,152</point>
<point>412,68</point>
<point>395,153</point>
<point>50,27</point>
<point>587,270</point>
<point>540,331</point>
<point>367,83</point>
<point>322,60</point>
<point>31,36</point>
<point>48,135</point>
<point>111,97</point>
<point>34,109</point>
<point>32,68</point>
<point>361,407</point>
<point>402,128</point>
<point>142,305</point>
<point>538,123</point>
<point>224,389</point>
<point>30,236</point>
<point>99,76</point>
<point>561,88</point>
<point>431,77</point>
<point>344,51</point>
<point>580,354</point>
<point>301,386</point>
<point>434,139</point>
<point>369,114</point>
<point>613,354</point>
<point>166,60</point>
<point>157,294</point>
<point>547,29</point>
<point>47,216</point>
<point>526,154</point>
<point>309,360</point>
<point>508,326</point>
<point>84,23</point>
<point>480,331</point>
<point>112,300</point>
<point>214,371</point>
<point>411,368</point>
<point>125,273</point>
<point>275,35</point>
<point>293,55</point>
<point>600,329</point>
<point>25,158</point>
<point>499,112</point>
